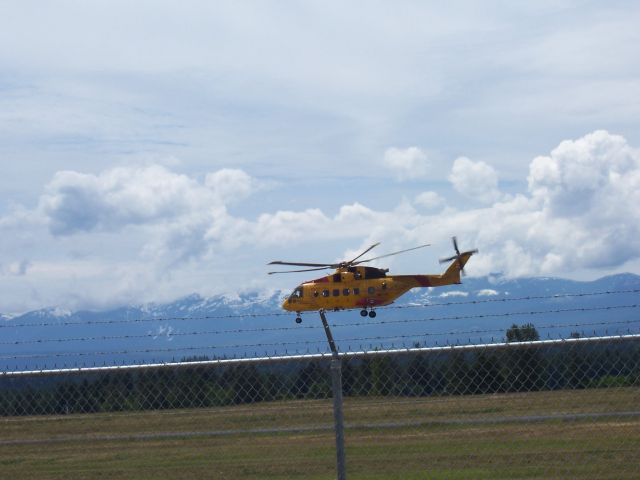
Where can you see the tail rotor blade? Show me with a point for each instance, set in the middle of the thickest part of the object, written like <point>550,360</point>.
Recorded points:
<point>448,259</point>
<point>458,256</point>
<point>455,245</point>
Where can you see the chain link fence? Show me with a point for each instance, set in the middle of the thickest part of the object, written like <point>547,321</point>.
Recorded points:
<point>542,409</point>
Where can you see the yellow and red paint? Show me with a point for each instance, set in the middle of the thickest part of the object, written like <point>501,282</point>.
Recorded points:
<point>365,287</point>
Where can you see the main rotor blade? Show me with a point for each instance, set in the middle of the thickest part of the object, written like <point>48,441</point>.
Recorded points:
<point>390,254</point>
<point>295,271</point>
<point>367,250</point>
<point>300,264</point>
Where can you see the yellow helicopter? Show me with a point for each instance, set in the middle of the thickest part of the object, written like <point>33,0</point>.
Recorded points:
<point>354,286</point>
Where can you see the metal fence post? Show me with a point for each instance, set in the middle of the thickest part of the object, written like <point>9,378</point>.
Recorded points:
<point>336,386</point>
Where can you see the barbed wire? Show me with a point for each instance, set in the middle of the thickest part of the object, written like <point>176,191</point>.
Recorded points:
<point>170,334</point>
<point>299,342</point>
<point>8,324</point>
<point>489,315</point>
<point>513,299</point>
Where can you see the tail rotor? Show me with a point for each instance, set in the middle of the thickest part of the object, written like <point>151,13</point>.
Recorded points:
<point>458,255</point>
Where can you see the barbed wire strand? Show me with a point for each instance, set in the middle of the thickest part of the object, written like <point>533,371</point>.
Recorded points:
<point>169,334</point>
<point>280,343</point>
<point>8,324</point>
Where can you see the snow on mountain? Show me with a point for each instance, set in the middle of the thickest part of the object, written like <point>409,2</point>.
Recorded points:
<point>252,323</point>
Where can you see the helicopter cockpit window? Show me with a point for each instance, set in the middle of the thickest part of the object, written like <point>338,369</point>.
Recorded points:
<point>297,293</point>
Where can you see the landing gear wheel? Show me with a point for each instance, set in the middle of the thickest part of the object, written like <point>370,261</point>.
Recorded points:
<point>372,314</point>
<point>363,313</point>
<point>298,320</point>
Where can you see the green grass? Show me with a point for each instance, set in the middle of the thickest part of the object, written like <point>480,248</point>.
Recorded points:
<point>424,445</point>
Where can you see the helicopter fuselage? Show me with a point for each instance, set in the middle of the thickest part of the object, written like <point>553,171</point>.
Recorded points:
<point>364,287</point>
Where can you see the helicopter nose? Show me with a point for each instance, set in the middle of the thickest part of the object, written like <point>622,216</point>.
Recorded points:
<point>286,304</point>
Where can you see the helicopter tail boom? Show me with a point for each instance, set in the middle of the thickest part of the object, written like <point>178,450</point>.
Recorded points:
<point>451,276</point>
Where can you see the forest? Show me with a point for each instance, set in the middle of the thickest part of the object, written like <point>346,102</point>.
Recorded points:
<point>487,370</point>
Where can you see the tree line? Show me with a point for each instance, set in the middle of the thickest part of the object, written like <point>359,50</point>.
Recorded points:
<point>454,372</point>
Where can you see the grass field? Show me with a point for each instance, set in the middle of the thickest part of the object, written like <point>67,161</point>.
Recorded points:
<point>563,434</point>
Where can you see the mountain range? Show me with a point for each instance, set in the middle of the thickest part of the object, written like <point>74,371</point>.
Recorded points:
<point>252,324</point>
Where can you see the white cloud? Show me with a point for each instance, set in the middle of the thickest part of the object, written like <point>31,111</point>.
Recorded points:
<point>138,195</point>
<point>477,180</point>
<point>581,177</point>
<point>578,214</point>
<point>230,185</point>
<point>152,232</point>
<point>429,200</point>
<point>408,163</point>
<point>521,235</point>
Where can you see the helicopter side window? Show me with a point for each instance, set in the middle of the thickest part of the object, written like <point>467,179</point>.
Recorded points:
<point>337,277</point>
<point>315,293</point>
<point>345,291</point>
<point>325,293</point>
<point>356,291</point>
<point>371,290</point>
<point>336,292</point>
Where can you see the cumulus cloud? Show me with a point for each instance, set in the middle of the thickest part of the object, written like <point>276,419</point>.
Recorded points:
<point>578,213</point>
<point>408,163</point>
<point>230,185</point>
<point>138,195</point>
<point>587,176</point>
<point>477,180</point>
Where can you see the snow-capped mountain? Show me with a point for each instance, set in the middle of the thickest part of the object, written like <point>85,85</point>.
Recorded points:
<point>480,310</point>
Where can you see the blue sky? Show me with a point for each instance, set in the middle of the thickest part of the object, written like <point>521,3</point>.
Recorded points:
<point>154,149</point>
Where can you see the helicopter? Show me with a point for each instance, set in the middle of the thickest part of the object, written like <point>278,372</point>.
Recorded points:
<point>354,286</point>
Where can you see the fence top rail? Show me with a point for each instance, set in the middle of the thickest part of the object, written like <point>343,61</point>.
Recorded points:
<point>314,356</point>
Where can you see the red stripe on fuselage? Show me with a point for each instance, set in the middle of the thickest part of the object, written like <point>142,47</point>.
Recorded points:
<point>423,280</point>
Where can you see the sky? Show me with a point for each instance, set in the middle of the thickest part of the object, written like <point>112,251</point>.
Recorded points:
<point>153,149</point>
